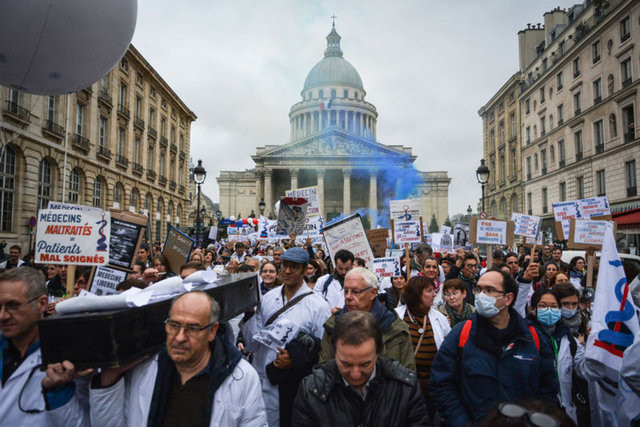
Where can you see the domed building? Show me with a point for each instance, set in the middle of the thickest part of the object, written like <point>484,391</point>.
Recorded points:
<point>333,146</point>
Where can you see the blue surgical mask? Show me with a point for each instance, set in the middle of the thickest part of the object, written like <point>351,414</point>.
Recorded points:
<point>486,305</point>
<point>548,316</point>
<point>568,313</point>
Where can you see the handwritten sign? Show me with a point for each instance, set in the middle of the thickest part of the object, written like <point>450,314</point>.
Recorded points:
<point>292,215</point>
<point>378,240</point>
<point>348,233</point>
<point>525,225</point>
<point>589,208</point>
<point>408,209</point>
<point>491,232</point>
<point>442,243</point>
<point>386,267</point>
<point>73,237</point>
<point>177,248</point>
<point>105,280</point>
<point>594,206</point>
<point>445,229</point>
<point>407,232</point>
<point>460,234</point>
<point>311,195</point>
<point>586,234</point>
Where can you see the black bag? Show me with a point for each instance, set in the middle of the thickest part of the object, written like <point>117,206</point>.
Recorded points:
<point>579,391</point>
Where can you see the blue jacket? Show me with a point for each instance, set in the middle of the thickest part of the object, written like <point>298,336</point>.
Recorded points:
<point>487,374</point>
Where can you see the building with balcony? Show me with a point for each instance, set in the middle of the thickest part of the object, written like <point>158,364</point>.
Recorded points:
<point>95,147</point>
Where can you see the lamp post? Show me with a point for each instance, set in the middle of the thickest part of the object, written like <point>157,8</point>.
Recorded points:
<point>482,175</point>
<point>262,206</point>
<point>469,210</point>
<point>199,174</point>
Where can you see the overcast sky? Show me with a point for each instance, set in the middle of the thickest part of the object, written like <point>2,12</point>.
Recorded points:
<point>427,66</point>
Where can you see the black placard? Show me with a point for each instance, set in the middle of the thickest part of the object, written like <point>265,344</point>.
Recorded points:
<point>124,239</point>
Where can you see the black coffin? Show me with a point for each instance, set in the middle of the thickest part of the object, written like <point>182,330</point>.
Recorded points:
<point>115,338</point>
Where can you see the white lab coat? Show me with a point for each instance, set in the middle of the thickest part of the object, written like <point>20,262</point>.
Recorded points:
<point>3,264</point>
<point>439,323</point>
<point>310,313</point>
<point>334,295</point>
<point>237,402</point>
<point>565,366</point>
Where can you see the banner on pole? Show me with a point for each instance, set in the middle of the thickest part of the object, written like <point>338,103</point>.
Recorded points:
<point>311,195</point>
<point>348,233</point>
<point>408,209</point>
<point>525,225</point>
<point>387,267</point>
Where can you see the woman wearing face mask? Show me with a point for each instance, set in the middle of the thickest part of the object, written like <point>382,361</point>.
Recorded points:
<point>547,316</point>
<point>568,296</point>
<point>312,273</point>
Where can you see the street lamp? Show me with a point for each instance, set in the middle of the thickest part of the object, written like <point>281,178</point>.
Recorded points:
<point>261,207</point>
<point>469,210</point>
<point>482,175</point>
<point>199,174</point>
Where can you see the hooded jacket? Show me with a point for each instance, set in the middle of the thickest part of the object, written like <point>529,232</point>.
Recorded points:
<point>396,339</point>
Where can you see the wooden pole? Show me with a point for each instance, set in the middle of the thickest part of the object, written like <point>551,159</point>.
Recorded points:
<point>408,260</point>
<point>71,279</point>
<point>489,256</point>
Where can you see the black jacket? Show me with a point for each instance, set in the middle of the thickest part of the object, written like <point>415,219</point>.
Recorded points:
<point>393,398</point>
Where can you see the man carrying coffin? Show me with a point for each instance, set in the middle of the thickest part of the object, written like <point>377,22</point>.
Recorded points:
<point>23,301</point>
<point>199,379</point>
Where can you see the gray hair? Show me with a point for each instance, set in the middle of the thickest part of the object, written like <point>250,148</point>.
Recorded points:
<point>370,279</point>
<point>214,306</point>
<point>32,278</point>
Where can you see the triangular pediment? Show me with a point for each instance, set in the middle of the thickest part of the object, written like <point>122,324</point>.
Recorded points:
<point>334,144</point>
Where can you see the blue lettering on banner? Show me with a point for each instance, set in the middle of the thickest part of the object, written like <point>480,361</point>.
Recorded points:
<point>57,248</point>
<point>66,218</point>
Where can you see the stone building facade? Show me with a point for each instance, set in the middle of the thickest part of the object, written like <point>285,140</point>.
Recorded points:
<point>121,143</point>
<point>333,145</point>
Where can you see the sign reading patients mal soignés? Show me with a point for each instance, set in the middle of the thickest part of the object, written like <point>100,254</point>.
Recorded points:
<point>73,237</point>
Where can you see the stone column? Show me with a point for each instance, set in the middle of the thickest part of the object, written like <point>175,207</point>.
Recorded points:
<point>373,189</point>
<point>268,173</point>
<point>320,184</point>
<point>346,191</point>
<point>294,178</point>
<point>259,189</point>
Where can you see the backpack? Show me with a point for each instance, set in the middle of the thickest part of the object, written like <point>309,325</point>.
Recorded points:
<point>579,391</point>
<point>464,335</point>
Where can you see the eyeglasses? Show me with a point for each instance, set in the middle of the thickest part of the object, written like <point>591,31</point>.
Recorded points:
<point>474,266</point>
<point>13,307</point>
<point>487,290</point>
<point>432,292</point>
<point>452,294</point>
<point>173,328</point>
<point>538,419</point>
<point>356,292</point>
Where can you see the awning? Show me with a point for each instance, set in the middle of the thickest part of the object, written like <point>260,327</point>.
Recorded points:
<point>628,221</point>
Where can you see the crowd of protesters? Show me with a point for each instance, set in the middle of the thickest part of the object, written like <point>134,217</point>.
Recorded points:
<point>454,342</point>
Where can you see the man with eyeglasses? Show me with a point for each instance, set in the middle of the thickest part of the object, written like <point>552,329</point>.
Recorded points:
<point>23,301</point>
<point>360,292</point>
<point>198,379</point>
<point>466,269</point>
<point>291,303</point>
<point>495,356</point>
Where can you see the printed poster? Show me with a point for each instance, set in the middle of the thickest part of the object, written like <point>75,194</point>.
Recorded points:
<point>387,267</point>
<point>408,209</point>
<point>407,232</point>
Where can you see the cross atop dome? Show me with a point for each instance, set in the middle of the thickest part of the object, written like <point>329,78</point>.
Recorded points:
<point>333,41</point>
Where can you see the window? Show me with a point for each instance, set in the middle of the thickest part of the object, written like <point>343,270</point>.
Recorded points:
<point>535,161</point>
<point>502,168</point>
<point>528,134</point>
<point>333,93</point>
<point>117,196</point>
<point>504,210</point>
<point>529,210</point>
<point>559,81</point>
<point>543,126</point>
<point>625,29</point>
<point>492,139</point>
<point>597,91</point>
<point>577,138</point>
<point>150,159</point>
<point>562,190</point>
<point>598,136</point>
<point>626,72</point>
<point>542,95</point>
<point>552,154</point>
<point>630,174</point>
<point>51,109</point>
<point>321,94</point>
<point>628,123</point>
<point>596,50</point>
<point>44,183</point>
<point>610,84</point>
<point>561,152</point>
<point>123,94</point>
<point>501,131</point>
<point>97,192</point>
<point>543,157</point>
<point>136,150</point>
<point>513,163</point>
<point>527,106</point>
<point>7,187</point>
<point>74,185</point>
<point>561,47</point>
<point>544,200</point>
<point>172,135</point>
<point>138,108</point>
<point>159,209</point>
<point>577,103</point>
<point>576,67</point>
<point>121,138</point>
<point>512,121</point>
<point>133,200</point>
<point>161,164</point>
<point>529,168</point>
<point>345,94</point>
<point>601,183</point>
<point>163,127</point>
<point>613,126</point>
<point>152,116</point>
<point>102,132</point>
<point>80,119</point>
<point>580,187</point>
<point>560,114</point>
<point>181,142</point>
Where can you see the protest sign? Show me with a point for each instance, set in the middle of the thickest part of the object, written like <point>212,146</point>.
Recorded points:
<point>525,225</point>
<point>292,215</point>
<point>386,267</point>
<point>530,243</point>
<point>127,233</point>
<point>460,234</point>
<point>562,213</point>
<point>442,243</point>
<point>311,195</point>
<point>72,207</point>
<point>105,279</point>
<point>277,334</point>
<point>406,231</point>
<point>491,232</point>
<point>213,233</point>
<point>72,237</point>
<point>408,209</point>
<point>586,234</point>
<point>348,233</point>
<point>445,229</point>
<point>378,240</point>
<point>177,248</point>
<point>594,207</point>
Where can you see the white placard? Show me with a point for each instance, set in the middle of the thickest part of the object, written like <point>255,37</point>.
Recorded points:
<point>72,237</point>
<point>386,267</point>
<point>531,241</point>
<point>311,194</point>
<point>406,232</point>
<point>490,232</point>
<point>566,210</point>
<point>594,206</point>
<point>72,207</point>
<point>408,209</point>
<point>442,243</point>
<point>445,229</point>
<point>587,232</point>
<point>277,334</point>
<point>213,233</point>
<point>106,279</point>
<point>525,225</point>
<point>348,233</point>
<point>460,234</point>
